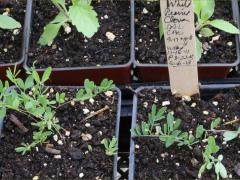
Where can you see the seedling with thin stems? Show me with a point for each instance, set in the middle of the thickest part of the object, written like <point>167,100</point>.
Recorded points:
<point>210,162</point>
<point>169,133</point>
<point>79,14</point>
<point>31,98</point>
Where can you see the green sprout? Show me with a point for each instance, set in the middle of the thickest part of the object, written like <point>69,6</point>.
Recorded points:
<point>111,146</point>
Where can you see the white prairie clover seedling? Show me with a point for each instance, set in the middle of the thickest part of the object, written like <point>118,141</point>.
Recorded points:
<point>31,98</point>
<point>204,10</point>
<point>111,146</point>
<point>169,133</point>
<point>210,161</point>
<point>80,14</point>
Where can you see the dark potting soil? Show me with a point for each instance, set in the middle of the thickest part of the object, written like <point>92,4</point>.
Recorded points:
<point>154,161</point>
<point>150,50</point>
<point>11,40</point>
<point>74,50</point>
<point>76,158</point>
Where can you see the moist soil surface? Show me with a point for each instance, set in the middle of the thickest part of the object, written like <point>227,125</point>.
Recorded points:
<point>151,50</point>
<point>11,40</point>
<point>74,50</point>
<point>154,161</point>
<point>76,158</point>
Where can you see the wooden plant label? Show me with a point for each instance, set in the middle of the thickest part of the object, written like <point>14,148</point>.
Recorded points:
<point>180,41</point>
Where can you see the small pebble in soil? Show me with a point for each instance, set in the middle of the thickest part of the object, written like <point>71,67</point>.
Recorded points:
<point>224,142</point>
<point>190,132</point>
<point>60,142</point>
<point>238,152</point>
<point>57,156</point>
<point>37,149</point>
<point>44,164</point>
<point>85,111</point>
<point>163,155</point>
<point>76,153</point>
<point>100,133</point>
<point>100,40</point>
<point>205,112</point>
<point>155,100</point>
<point>154,90</point>
<point>5,50</point>
<point>230,176</point>
<point>157,161</point>
<point>177,164</point>
<point>55,137</point>
<point>67,60</point>
<point>86,137</point>
<point>193,104</point>
<point>165,103</point>
<point>108,93</point>
<point>85,40</point>
<point>215,103</point>
<point>67,133</point>
<point>81,175</point>
<point>230,43</point>
<point>87,125</point>
<point>199,35</point>
<point>105,16</point>
<point>110,36</point>
<point>140,40</point>
<point>145,11</point>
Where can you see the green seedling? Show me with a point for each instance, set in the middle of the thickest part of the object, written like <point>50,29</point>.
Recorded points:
<point>111,146</point>
<point>210,162</point>
<point>7,22</point>
<point>31,98</point>
<point>79,14</point>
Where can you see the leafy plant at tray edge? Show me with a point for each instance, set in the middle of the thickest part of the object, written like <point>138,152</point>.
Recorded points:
<point>7,22</point>
<point>169,133</point>
<point>204,10</point>
<point>32,98</point>
<point>80,14</point>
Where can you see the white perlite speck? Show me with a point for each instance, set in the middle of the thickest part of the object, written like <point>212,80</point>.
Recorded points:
<point>67,29</point>
<point>110,36</point>
<point>108,93</point>
<point>105,16</point>
<point>55,137</point>
<point>60,142</point>
<point>91,100</point>
<point>67,133</point>
<point>57,156</point>
<point>85,111</point>
<point>165,103</point>
<point>193,105</point>
<point>87,125</point>
<point>205,112</point>
<point>145,11</point>
<point>215,103</point>
<point>81,175</point>
<point>137,146</point>
<point>230,43</point>
<point>186,98</point>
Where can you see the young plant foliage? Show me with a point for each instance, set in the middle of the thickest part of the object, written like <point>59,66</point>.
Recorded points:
<point>80,14</point>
